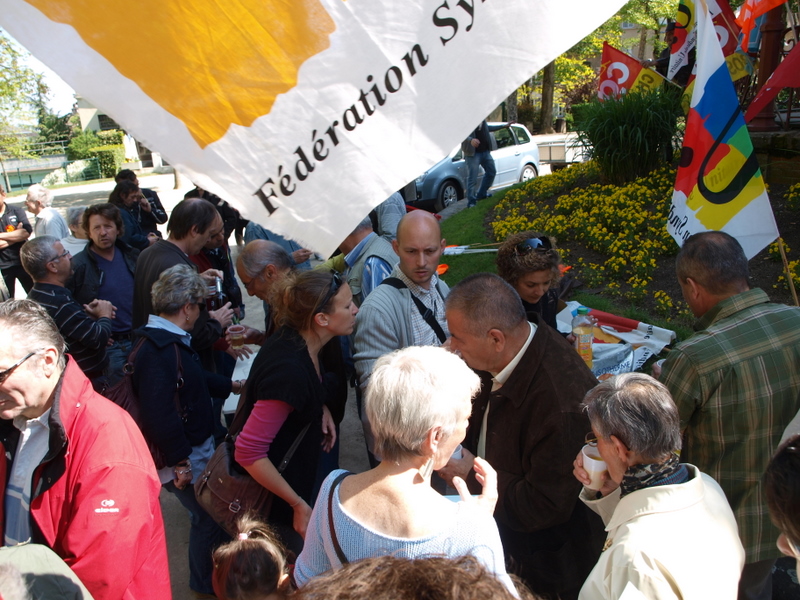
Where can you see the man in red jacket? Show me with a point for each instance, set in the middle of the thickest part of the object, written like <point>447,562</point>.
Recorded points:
<point>80,479</point>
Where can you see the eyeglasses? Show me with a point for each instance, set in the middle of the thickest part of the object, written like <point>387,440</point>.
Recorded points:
<point>336,283</point>
<point>7,373</point>
<point>537,244</point>
<point>590,439</point>
<point>59,256</point>
<point>247,284</point>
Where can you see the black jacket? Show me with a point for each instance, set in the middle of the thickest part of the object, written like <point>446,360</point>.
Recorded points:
<point>86,274</point>
<point>155,378</point>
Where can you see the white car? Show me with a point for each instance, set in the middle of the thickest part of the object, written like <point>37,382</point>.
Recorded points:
<point>516,159</point>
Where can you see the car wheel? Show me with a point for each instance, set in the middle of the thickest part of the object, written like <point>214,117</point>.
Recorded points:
<point>448,195</point>
<point>529,172</point>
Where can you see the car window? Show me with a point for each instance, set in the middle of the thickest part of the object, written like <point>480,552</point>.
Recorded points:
<point>504,138</point>
<point>522,135</point>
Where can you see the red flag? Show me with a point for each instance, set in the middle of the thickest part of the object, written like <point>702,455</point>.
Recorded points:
<point>751,10</point>
<point>620,73</point>
<point>786,75</point>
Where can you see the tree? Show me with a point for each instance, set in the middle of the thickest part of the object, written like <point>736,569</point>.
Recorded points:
<point>18,86</point>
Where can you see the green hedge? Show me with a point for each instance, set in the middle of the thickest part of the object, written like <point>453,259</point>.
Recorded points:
<point>112,137</point>
<point>109,158</point>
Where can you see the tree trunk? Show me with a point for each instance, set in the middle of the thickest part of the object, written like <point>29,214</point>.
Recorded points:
<point>511,107</point>
<point>548,88</point>
<point>179,179</point>
<point>642,42</point>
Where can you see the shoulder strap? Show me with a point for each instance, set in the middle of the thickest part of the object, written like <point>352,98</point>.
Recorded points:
<point>427,313</point>
<point>339,552</point>
<point>290,452</point>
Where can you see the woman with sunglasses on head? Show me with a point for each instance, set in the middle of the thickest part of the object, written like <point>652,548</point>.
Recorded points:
<point>530,263</point>
<point>287,391</point>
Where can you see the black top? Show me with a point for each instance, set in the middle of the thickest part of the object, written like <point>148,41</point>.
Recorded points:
<point>13,218</point>
<point>155,377</point>
<point>283,371</point>
<point>546,308</point>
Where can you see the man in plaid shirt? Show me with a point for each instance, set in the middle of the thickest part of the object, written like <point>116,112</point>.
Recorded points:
<point>736,383</point>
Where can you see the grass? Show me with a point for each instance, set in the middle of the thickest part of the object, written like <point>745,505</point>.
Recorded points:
<point>469,227</point>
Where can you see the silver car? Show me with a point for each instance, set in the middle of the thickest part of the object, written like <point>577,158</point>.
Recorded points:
<point>516,160</point>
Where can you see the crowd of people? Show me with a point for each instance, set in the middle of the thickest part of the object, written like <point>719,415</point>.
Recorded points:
<point>471,390</point>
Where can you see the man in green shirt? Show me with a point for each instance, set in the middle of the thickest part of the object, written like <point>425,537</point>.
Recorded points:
<point>736,383</point>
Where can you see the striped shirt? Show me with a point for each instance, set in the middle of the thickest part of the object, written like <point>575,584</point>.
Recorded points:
<point>736,383</point>
<point>86,338</point>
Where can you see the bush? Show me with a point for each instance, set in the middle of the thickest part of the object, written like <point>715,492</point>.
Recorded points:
<point>80,147</point>
<point>112,137</point>
<point>631,136</point>
<point>109,159</point>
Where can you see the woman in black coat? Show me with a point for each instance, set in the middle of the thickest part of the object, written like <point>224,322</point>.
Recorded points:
<point>174,393</point>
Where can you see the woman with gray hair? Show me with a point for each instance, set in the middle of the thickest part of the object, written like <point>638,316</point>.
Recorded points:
<point>671,531</point>
<point>77,239</point>
<point>418,401</point>
<point>176,413</point>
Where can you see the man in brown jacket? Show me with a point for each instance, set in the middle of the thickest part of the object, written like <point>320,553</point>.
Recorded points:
<point>527,421</point>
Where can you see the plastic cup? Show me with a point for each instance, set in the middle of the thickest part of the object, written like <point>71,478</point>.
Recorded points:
<point>594,466</point>
<point>236,335</point>
<point>457,452</point>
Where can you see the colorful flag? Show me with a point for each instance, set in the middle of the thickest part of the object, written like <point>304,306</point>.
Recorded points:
<point>786,75</point>
<point>752,10</point>
<point>620,73</point>
<point>305,114</point>
<point>719,184</point>
<point>686,33</point>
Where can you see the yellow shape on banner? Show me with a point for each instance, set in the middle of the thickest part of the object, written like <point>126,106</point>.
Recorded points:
<point>210,63</point>
<point>716,216</point>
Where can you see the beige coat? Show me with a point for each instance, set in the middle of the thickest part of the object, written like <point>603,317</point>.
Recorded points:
<point>670,541</point>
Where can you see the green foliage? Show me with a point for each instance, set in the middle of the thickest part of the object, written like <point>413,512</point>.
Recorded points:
<point>109,158</point>
<point>112,137</point>
<point>18,86</point>
<point>80,147</point>
<point>53,128</point>
<point>633,135</point>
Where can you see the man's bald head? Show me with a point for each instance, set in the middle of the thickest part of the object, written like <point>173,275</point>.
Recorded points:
<point>419,245</point>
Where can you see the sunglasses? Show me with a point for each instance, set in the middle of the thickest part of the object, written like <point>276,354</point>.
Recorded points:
<point>537,244</point>
<point>7,373</point>
<point>336,283</point>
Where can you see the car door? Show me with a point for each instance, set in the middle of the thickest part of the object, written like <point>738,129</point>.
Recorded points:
<point>506,158</point>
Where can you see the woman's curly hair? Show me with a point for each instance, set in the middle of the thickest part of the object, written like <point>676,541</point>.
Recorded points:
<point>511,265</point>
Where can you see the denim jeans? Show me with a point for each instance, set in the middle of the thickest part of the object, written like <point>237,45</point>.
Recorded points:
<point>204,537</point>
<point>479,159</point>
<point>117,354</point>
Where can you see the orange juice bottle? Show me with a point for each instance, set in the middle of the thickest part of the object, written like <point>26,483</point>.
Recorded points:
<point>583,330</point>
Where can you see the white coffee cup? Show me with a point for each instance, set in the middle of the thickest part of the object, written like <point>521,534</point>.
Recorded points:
<point>594,466</point>
<point>457,452</point>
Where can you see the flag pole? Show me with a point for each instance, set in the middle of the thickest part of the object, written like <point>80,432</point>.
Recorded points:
<point>788,272</point>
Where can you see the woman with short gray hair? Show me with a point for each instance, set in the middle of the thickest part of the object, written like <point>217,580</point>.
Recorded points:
<point>176,412</point>
<point>664,518</point>
<point>418,402</point>
<point>77,239</point>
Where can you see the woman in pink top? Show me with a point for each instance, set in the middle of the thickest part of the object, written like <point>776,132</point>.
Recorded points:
<point>288,390</point>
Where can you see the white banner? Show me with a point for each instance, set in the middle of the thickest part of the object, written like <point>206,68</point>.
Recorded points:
<point>304,114</point>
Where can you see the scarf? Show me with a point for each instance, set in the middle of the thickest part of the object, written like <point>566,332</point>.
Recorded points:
<point>639,477</point>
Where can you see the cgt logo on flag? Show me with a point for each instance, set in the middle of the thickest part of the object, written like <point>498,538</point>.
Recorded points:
<point>719,184</point>
<point>248,55</point>
<point>620,73</point>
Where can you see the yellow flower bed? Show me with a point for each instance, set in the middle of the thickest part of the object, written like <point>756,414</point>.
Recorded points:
<point>625,225</point>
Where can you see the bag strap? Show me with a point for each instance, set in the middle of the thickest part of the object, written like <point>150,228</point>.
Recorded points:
<point>290,452</point>
<point>427,313</point>
<point>339,552</point>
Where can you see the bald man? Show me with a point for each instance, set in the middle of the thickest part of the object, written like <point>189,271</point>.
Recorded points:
<point>407,309</point>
